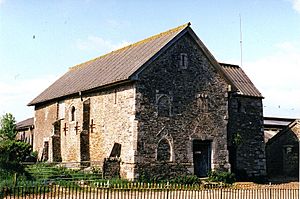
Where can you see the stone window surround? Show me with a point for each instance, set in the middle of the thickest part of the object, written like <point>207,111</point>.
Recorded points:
<point>170,141</point>
<point>183,60</point>
<point>170,99</point>
<point>72,113</point>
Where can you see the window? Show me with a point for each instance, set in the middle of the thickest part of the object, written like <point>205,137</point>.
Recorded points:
<point>202,101</point>
<point>183,61</point>
<point>164,150</point>
<point>163,106</point>
<point>73,110</point>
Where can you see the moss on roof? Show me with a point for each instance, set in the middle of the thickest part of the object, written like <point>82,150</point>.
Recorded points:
<point>78,66</point>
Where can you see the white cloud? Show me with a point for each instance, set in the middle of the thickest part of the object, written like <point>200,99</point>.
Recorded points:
<point>277,77</point>
<point>17,93</point>
<point>296,5</point>
<point>2,2</point>
<point>94,43</point>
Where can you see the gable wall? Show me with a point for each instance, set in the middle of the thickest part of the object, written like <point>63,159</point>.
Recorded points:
<point>190,90</point>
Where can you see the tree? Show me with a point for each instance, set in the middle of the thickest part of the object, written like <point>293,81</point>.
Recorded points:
<point>8,127</point>
<point>12,152</point>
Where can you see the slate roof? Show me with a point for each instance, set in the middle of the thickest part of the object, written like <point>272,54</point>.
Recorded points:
<point>123,64</point>
<point>28,123</point>
<point>110,68</point>
<point>241,80</point>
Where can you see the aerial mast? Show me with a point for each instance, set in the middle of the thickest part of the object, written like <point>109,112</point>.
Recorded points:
<point>241,40</point>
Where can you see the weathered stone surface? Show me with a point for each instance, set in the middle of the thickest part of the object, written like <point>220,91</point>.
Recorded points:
<point>197,109</point>
<point>112,112</point>
<point>246,136</point>
<point>178,107</point>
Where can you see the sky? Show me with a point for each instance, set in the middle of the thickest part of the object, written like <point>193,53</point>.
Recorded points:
<point>40,40</point>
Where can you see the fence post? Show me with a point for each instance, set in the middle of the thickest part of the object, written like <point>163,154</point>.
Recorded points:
<point>108,189</point>
<point>168,190</point>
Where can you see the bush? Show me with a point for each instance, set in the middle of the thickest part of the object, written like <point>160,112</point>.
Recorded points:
<point>186,180</point>
<point>12,153</point>
<point>221,176</point>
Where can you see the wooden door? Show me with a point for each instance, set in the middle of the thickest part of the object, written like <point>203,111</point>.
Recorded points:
<point>202,157</point>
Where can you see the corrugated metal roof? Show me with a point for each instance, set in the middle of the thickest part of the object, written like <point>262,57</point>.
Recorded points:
<point>113,67</point>
<point>241,80</point>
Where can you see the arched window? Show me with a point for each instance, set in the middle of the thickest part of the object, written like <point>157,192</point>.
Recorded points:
<point>164,150</point>
<point>164,106</point>
<point>73,110</point>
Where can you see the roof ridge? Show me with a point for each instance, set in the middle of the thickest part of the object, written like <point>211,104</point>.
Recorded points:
<point>181,27</point>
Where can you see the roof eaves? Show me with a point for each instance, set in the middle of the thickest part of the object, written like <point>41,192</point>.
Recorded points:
<point>109,85</point>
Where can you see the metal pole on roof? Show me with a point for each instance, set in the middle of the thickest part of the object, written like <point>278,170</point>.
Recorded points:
<point>241,40</point>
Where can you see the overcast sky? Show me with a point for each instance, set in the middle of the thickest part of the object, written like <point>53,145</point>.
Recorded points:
<point>40,40</point>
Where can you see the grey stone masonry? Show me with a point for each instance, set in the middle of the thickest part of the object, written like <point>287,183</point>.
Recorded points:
<point>246,136</point>
<point>195,108</point>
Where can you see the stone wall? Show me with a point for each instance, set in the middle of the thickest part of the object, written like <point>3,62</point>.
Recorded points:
<point>246,136</point>
<point>25,135</point>
<point>45,116</point>
<point>192,98</point>
<point>283,153</point>
<point>112,120</point>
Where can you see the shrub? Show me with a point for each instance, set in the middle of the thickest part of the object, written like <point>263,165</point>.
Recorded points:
<point>221,176</point>
<point>186,180</point>
<point>12,153</point>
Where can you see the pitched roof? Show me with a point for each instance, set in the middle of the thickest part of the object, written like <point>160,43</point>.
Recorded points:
<point>123,64</point>
<point>28,123</point>
<point>241,80</point>
<point>113,67</point>
<point>296,131</point>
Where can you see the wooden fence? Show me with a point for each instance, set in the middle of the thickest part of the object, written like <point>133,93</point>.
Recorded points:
<point>148,191</point>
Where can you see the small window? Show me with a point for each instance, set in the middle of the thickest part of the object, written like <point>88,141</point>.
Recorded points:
<point>183,61</point>
<point>164,150</point>
<point>73,110</point>
<point>163,106</point>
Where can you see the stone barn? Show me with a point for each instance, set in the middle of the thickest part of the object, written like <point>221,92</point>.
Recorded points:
<point>25,130</point>
<point>160,107</point>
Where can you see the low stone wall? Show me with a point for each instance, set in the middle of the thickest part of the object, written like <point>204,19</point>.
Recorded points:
<point>111,168</point>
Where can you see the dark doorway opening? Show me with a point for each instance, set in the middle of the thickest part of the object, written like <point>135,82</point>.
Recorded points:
<point>202,157</point>
<point>45,154</point>
<point>56,142</point>
<point>85,135</point>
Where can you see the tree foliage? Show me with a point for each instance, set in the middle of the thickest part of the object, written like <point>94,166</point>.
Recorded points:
<point>8,127</point>
<point>12,152</point>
